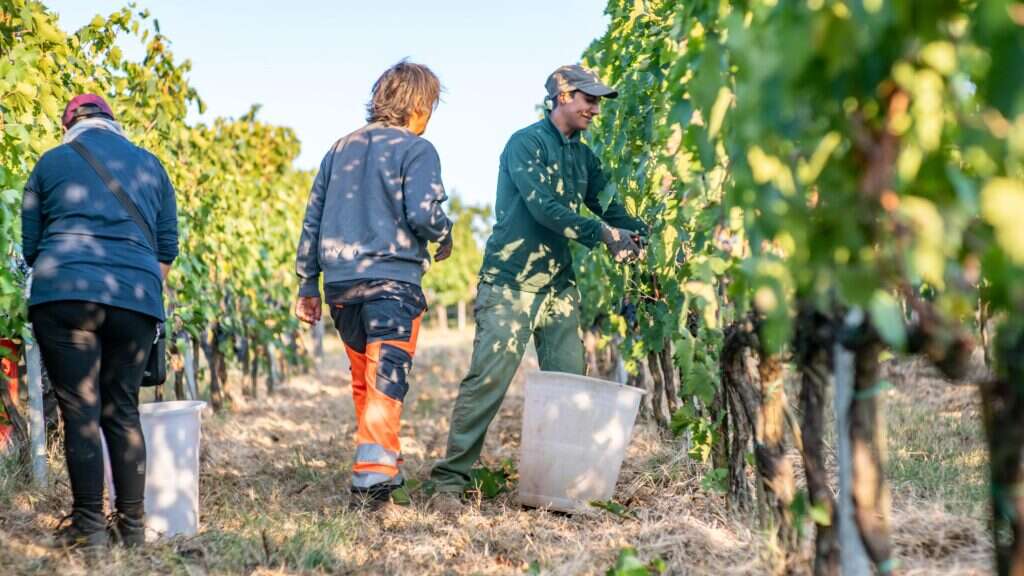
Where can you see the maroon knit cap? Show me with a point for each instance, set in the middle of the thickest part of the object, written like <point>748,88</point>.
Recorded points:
<point>83,100</point>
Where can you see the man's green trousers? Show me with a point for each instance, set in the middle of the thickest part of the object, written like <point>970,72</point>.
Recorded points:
<point>505,321</point>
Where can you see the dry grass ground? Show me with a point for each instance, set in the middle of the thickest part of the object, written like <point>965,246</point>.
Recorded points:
<point>938,472</point>
<point>275,474</point>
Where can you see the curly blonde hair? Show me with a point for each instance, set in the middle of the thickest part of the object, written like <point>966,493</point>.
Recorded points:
<point>401,90</point>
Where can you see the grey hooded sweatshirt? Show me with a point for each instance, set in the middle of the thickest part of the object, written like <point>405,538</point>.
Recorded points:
<point>374,205</point>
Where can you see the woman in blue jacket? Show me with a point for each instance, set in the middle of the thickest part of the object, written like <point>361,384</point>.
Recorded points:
<point>96,299</point>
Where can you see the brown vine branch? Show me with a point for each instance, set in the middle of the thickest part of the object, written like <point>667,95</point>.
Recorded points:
<point>813,343</point>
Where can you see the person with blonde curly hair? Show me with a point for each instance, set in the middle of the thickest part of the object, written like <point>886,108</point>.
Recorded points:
<point>374,206</point>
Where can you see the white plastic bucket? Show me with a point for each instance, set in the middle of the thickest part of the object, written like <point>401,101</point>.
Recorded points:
<point>575,434</point>
<point>172,436</point>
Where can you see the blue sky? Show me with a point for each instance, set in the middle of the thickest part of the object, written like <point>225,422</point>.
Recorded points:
<point>311,64</point>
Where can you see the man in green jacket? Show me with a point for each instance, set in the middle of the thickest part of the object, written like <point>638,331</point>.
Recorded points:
<point>527,286</point>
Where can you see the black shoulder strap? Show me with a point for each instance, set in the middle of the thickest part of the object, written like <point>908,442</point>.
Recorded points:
<point>115,188</point>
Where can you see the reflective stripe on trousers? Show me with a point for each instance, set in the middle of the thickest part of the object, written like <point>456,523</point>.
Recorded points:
<point>376,465</point>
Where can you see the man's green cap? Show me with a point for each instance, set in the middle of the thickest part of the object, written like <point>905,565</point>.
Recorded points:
<point>576,77</point>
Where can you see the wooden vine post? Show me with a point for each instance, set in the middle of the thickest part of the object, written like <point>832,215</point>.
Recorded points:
<point>318,346</point>
<point>36,418</point>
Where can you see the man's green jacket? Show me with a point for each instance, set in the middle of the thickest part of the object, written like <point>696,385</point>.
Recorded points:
<point>543,181</point>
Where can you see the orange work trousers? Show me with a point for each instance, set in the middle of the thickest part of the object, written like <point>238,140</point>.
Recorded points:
<point>380,341</point>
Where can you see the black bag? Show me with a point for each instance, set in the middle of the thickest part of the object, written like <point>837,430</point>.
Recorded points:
<point>156,363</point>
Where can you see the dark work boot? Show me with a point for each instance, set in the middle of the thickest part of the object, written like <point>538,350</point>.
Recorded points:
<point>81,531</point>
<point>127,531</point>
<point>375,497</point>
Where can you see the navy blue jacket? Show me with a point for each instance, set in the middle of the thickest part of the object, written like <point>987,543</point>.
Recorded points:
<point>81,242</point>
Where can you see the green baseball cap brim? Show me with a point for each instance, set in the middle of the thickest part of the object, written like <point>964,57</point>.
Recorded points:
<point>576,77</point>
<point>597,89</point>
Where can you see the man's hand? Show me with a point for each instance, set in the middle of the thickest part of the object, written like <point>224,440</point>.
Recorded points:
<point>308,309</point>
<point>621,244</point>
<point>445,248</point>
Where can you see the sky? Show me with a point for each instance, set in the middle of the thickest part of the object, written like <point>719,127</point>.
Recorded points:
<point>311,64</point>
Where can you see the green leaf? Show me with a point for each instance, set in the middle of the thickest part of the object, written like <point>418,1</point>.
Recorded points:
<point>887,318</point>
<point>684,350</point>
<point>490,483</point>
<point>681,113</point>
<point>718,265</point>
<point>46,30</point>
<point>613,507</point>
<point>941,56</point>
<point>401,496</point>
<point>682,419</point>
<point>820,515</point>
<point>700,383</point>
<point>718,110</point>
<point>48,104</point>
<point>1002,203</point>
<point>857,284</point>
<point>716,480</point>
<point>628,564</point>
<point>927,258</point>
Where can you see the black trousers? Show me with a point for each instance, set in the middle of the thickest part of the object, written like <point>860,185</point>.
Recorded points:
<point>95,356</point>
